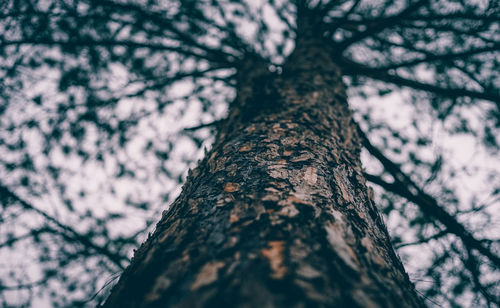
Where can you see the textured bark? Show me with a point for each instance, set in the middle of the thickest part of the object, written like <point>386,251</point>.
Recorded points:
<point>278,213</point>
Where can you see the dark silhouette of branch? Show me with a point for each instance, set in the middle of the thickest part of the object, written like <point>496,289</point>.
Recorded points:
<point>421,241</point>
<point>32,233</point>
<point>353,68</point>
<point>197,127</point>
<point>323,9</point>
<point>65,231</point>
<point>405,187</point>
<point>453,16</point>
<point>472,264</point>
<point>24,285</point>
<point>428,18</point>
<point>381,25</point>
<point>439,57</point>
<point>338,22</point>
<point>214,54</point>
<point>104,43</point>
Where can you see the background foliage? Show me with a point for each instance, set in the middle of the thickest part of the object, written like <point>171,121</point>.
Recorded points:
<point>104,105</point>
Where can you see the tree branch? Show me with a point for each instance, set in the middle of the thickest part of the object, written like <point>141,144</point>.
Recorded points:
<point>380,25</point>
<point>458,15</point>
<point>430,17</point>
<point>405,187</point>
<point>89,42</point>
<point>422,241</point>
<point>338,22</point>
<point>185,39</point>
<point>438,57</point>
<point>197,127</point>
<point>67,231</point>
<point>472,264</point>
<point>353,68</point>
<point>12,241</point>
<point>23,286</point>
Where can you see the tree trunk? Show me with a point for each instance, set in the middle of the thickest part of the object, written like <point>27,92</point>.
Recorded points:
<point>278,213</point>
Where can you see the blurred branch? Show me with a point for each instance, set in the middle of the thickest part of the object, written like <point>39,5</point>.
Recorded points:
<point>280,12</point>
<point>430,17</point>
<point>353,68</point>
<point>421,241</point>
<point>215,55</point>
<point>211,124</point>
<point>104,43</point>
<point>24,285</point>
<point>405,187</point>
<point>338,22</point>
<point>65,231</point>
<point>478,31</point>
<point>453,16</point>
<point>32,233</point>
<point>381,25</point>
<point>472,264</point>
<point>437,57</point>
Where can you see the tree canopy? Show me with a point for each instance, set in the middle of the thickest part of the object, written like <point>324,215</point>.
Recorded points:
<point>105,104</point>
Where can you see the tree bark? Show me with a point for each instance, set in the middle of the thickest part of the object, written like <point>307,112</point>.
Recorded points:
<point>277,214</point>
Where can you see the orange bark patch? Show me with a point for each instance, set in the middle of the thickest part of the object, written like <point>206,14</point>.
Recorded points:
<point>246,147</point>
<point>277,127</point>
<point>274,255</point>
<point>233,218</point>
<point>231,187</point>
<point>208,274</point>
<point>251,128</point>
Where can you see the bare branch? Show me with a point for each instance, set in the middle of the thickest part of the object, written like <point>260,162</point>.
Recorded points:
<point>197,127</point>
<point>216,55</point>
<point>353,68</point>
<point>338,22</point>
<point>439,57</point>
<point>66,231</point>
<point>405,187</point>
<point>421,241</point>
<point>104,43</point>
<point>382,24</point>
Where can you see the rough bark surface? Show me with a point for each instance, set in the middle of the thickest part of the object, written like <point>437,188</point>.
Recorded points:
<point>278,213</point>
